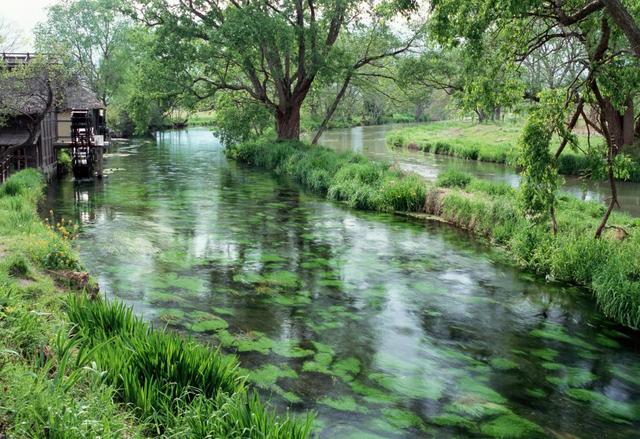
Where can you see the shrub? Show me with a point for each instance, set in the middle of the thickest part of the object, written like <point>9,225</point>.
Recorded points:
<point>396,139</point>
<point>26,183</point>
<point>64,161</point>
<point>402,193</point>
<point>17,265</point>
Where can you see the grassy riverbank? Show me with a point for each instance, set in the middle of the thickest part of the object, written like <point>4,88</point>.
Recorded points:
<point>75,366</point>
<point>608,267</point>
<point>483,142</point>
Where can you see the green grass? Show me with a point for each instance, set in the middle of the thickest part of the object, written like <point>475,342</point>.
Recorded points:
<point>71,367</point>
<point>490,142</point>
<point>608,267</point>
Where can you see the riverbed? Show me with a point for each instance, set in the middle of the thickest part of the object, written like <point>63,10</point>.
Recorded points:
<point>370,141</point>
<point>382,325</point>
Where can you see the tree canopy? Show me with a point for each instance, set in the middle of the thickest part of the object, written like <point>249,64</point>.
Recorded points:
<point>272,52</point>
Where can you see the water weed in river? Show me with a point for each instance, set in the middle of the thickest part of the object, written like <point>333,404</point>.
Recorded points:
<point>609,267</point>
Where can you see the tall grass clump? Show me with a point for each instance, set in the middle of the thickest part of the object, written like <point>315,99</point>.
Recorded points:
<point>608,267</point>
<point>166,377</point>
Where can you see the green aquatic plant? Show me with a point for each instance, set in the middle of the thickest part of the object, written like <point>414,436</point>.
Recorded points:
<point>344,403</point>
<point>269,258</point>
<point>254,341</point>
<point>291,349</point>
<point>402,418</point>
<point>558,333</point>
<point>453,420</point>
<point>267,375</point>
<point>536,393</point>
<point>606,266</point>
<point>346,368</point>
<point>546,354</point>
<point>511,426</point>
<point>210,325</point>
<point>373,395</point>
<point>606,407</point>
<point>411,386</point>
<point>282,278</point>
<point>470,386</point>
<point>503,363</point>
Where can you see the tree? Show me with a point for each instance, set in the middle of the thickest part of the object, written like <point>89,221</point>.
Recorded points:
<point>479,83</point>
<point>90,32</point>
<point>153,82</point>
<point>272,51</point>
<point>608,80</point>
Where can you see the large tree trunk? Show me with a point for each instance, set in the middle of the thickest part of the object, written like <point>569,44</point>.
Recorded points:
<point>621,126</point>
<point>288,122</point>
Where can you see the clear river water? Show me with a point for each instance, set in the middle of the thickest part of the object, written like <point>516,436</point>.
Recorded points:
<point>382,325</point>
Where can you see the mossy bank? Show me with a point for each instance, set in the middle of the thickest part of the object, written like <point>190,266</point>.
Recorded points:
<point>74,366</point>
<point>608,267</point>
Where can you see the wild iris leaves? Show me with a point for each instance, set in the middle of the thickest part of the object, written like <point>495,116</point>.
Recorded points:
<point>180,386</point>
<point>608,267</point>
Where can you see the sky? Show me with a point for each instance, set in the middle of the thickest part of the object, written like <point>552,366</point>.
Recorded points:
<point>24,14</point>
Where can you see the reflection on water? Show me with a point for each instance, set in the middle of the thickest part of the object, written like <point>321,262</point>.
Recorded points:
<point>371,141</point>
<point>384,326</point>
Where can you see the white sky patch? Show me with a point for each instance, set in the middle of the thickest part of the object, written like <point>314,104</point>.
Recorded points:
<point>23,15</point>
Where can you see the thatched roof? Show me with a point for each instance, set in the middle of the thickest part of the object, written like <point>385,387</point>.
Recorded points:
<point>77,96</point>
<point>28,96</point>
<point>26,91</point>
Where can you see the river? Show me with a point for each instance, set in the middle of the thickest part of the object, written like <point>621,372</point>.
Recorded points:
<point>370,140</point>
<point>384,326</point>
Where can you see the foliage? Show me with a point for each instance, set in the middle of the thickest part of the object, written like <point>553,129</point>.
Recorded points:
<point>497,142</point>
<point>237,119</point>
<point>600,83</point>
<point>64,160</point>
<point>48,387</point>
<point>539,174</point>
<point>270,55</point>
<point>453,178</point>
<point>354,179</point>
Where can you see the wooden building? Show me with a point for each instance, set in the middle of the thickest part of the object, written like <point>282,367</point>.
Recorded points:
<point>33,128</point>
